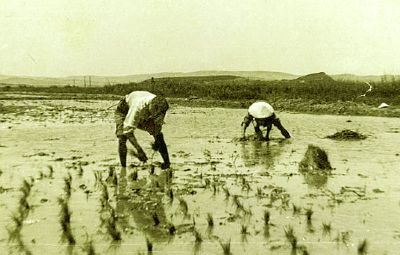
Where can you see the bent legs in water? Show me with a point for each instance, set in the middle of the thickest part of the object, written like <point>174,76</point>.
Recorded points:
<point>122,150</point>
<point>277,123</point>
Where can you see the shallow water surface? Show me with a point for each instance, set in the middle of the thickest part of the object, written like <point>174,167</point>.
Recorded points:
<point>214,175</point>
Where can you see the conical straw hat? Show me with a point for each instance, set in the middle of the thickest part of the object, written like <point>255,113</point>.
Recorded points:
<point>260,110</point>
<point>383,105</point>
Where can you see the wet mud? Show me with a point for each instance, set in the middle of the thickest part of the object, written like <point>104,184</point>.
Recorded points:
<point>62,190</point>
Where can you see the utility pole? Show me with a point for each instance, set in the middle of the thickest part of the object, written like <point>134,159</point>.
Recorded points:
<point>84,81</point>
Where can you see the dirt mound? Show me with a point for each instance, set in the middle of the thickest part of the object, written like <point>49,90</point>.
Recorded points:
<point>347,134</point>
<point>315,160</point>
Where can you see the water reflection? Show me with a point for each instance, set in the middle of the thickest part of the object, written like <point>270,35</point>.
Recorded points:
<point>139,205</point>
<point>315,180</point>
<point>255,152</point>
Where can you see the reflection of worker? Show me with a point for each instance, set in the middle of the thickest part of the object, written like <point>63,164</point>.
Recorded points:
<point>145,111</point>
<point>142,206</point>
<point>262,114</point>
<point>257,153</point>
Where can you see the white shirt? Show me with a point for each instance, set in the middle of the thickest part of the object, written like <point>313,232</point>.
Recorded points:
<point>137,101</point>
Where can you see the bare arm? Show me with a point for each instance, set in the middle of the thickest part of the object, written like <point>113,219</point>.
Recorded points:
<point>140,153</point>
<point>246,122</point>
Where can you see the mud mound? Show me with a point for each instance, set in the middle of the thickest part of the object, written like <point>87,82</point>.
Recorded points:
<point>347,135</point>
<point>315,160</point>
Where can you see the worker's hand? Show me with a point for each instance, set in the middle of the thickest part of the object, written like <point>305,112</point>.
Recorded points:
<point>142,156</point>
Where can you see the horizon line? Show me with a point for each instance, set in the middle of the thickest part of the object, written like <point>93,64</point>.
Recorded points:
<point>188,72</point>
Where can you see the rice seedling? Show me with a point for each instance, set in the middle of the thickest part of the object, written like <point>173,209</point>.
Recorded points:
<point>183,206</point>
<point>309,213</point>
<point>310,227</point>
<point>41,175</point>
<point>155,218</point>
<point>168,175</point>
<point>149,246</point>
<point>244,230</point>
<point>112,215</point>
<point>20,247</point>
<point>24,207</point>
<point>289,234</point>
<point>267,217</point>
<point>243,180</point>
<point>226,247</point>
<point>326,228</point>
<point>296,209</point>
<point>207,182</point>
<point>67,186</point>
<point>134,175</point>
<point>51,171</point>
<point>151,170</point>
<point>259,193</point>
<point>303,250</point>
<point>104,197</point>
<point>111,172</point>
<point>362,248</point>
<point>15,232</point>
<point>197,236</point>
<point>247,212</point>
<point>112,230</point>
<point>80,171</point>
<point>98,176</point>
<point>26,188</point>
<point>284,201</point>
<point>210,220</point>
<point>115,180</point>
<point>226,192</point>
<point>237,202</point>
<point>214,186</point>
<point>18,220</point>
<point>65,220</point>
<point>198,239</point>
<point>171,229</point>
<point>344,237</point>
<point>266,231</point>
<point>170,194</point>
<point>89,248</point>
<point>109,219</point>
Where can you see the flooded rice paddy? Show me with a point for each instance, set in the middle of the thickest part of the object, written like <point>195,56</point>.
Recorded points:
<point>62,190</point>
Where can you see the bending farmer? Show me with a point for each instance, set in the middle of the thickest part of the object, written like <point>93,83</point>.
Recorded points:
<point>262,115</point>
<point>145,111</point>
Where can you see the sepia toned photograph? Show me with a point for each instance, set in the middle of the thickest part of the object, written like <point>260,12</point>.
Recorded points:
<point>200,127</point>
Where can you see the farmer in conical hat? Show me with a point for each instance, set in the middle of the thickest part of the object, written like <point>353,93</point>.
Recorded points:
<point>262,115</point>
<point>145,111</point>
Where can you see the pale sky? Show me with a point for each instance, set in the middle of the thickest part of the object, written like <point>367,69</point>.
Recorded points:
<point>104,37</point>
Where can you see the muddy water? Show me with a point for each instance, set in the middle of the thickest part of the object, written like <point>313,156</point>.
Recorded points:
<point>359,200</point>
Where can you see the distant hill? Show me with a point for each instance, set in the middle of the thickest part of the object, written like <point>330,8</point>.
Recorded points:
<point>319,77</point>
<point>110,80</point>
<point>96,81</point>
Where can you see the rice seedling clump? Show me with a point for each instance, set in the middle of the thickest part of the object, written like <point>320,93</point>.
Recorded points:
<point>346,135</point>
<point>315,160</point>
